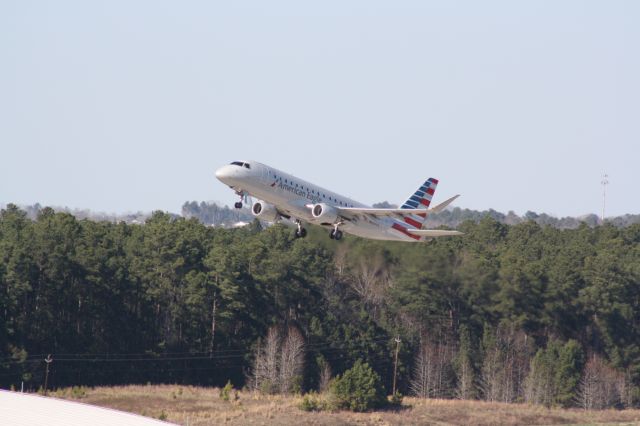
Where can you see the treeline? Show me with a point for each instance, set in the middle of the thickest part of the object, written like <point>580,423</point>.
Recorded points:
<point>138,217</point>
<point>504,313</point>
<point>211,213</point>
<point>455,216</point>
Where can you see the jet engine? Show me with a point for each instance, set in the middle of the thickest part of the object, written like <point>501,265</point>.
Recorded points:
<point>325,213</point>
<point>265,211</point>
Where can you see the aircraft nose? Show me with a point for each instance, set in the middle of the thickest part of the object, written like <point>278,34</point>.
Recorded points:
<point>225,174</point>
<point>228,175</point>
<point>222,173</point>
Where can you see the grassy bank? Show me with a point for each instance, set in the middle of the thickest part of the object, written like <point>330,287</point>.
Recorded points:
<point>204,406</point>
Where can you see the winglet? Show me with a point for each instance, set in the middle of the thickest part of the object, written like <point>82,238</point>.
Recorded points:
<point>443,205</point>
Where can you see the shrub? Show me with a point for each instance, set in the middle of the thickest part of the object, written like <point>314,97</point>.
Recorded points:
<point>268,387</point>
<point>78,392</point>
<point>225,392</point>
<point>396,399</point>
<point>358,389</point>
<point>311,402</point>
<point>296,384</point>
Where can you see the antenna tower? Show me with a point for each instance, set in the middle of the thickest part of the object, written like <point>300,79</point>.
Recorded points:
<point>604,183</point>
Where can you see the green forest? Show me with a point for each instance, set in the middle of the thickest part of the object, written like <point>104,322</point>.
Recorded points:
<point>211,213</point>
<point>522,312</point>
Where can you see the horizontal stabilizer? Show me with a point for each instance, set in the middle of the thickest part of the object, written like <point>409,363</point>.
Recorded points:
<point>433,233</point>
<point>443,205</point>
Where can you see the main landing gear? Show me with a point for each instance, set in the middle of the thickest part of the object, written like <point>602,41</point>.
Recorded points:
<point>300,232</point>
<point>335,233</point>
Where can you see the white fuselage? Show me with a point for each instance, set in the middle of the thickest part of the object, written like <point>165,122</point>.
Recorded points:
<point>293,198</point>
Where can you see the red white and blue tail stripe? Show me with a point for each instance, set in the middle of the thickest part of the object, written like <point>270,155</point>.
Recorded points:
<point>421,199</point>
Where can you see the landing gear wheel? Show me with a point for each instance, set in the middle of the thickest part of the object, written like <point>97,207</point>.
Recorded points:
<point>300,232</point>
<point>336,234</point>
<point>238,205</point>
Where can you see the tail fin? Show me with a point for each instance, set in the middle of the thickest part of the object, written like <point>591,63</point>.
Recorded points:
<point>420,200</point>
<point>422,197</point>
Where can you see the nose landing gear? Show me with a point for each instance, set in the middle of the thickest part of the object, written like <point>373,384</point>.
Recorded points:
<point>242,195</point>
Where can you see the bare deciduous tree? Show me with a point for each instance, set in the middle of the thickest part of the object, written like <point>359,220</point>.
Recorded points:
<point>340,260</point>
<point>433,370</point>
<point>505,365</point>
<point>264,372</point>
<point>602,386</point>
<point>465,388</point>
<point>422,379</point>
<point>278,362</point>
<point>538,385</point>
<point>369,280</point>
<point>291,361</point>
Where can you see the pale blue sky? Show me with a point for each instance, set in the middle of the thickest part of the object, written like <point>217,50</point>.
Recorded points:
<point>131,105</point>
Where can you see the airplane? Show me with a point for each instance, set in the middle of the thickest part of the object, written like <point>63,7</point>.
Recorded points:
<point>281,195</point>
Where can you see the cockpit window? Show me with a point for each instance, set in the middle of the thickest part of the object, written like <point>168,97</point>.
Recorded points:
<point>241,164</point>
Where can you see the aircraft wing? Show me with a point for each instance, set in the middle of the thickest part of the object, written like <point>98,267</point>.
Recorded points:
<point>349,212</point>
<point>354,212</point>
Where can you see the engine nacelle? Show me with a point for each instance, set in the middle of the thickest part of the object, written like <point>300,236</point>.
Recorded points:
<point>324,213</point>
<point>265,211</point>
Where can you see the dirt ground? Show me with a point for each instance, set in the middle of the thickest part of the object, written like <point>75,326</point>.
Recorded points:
<point>193,406</point>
